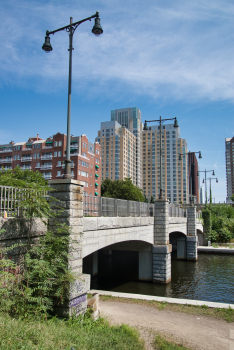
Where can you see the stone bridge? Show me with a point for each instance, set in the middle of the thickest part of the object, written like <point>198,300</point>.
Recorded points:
<point>152,237</point>
<point>103,232</point>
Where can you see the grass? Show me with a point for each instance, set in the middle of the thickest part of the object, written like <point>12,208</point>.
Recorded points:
<point>204,310</point>
<point>163,344</point>
<point>81,334</point>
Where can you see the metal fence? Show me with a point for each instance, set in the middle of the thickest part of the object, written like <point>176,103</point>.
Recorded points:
<point>175,211</point>
<point>11,199</point>
<point>102,206</point>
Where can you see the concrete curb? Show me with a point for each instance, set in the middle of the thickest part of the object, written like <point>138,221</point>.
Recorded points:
<point>212,250</point>
<point>210,304</point>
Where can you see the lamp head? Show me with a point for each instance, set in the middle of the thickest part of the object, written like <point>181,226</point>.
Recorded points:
<point>97,28</point>
<point>175,123</point>
<point>213,174</point>
<point>217,180</point>
<point>47,45</point>
<point>145,126</point>
<point>200,156</point>
<point>203,181</point>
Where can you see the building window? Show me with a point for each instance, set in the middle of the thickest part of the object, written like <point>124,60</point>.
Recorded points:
<point>34,155</point>
<point>59,163</point>
<point>60,143</point>
<point>38,155</point>
<point>59,154</point>
<point>55,154</point>
<point>55,143</point>
<point>59,173</point>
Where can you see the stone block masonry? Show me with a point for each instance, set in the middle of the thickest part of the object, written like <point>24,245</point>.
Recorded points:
<point>161,250</point>
<point>69,207</point>
<point>191,239</point>
<point>162,264</point>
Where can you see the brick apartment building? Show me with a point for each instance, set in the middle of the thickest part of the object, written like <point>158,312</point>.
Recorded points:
<point>47,157</point>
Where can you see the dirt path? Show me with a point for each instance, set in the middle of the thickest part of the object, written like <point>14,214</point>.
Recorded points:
<point>195,332</point>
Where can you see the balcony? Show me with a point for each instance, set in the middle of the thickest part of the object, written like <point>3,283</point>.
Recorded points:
<point>6,160</point>
<point>47,177</point>
<point>47,147</point>
<point>74,154</point>
<point>6,168</point>
<point>46,166</point>
<point>27,149</point>
<point>46,157</point>
<point>6,150</point>
<point>26,159</point>
<point>25,168</point>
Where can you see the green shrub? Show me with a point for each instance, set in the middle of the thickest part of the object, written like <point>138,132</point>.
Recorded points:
<point>44,279</point>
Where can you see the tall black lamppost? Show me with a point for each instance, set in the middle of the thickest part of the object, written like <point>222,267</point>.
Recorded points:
<point>190,170</point>
<point>70,29</point>
<point>205,171</point>
<point>160,121</point>
<point>211,178</point>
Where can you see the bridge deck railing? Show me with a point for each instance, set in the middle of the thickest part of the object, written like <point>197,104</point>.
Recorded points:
<point>176,211</point>
<point>103,206</point>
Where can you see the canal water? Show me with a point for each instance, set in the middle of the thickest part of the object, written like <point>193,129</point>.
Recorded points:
<point>211,278</point>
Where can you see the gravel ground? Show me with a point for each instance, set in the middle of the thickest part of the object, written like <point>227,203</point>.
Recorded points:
<point>194,332</point>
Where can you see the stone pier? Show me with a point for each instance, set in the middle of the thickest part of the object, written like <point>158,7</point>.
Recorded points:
<point>69,194</point>
<point>191,239</point>
<point>161,249</point>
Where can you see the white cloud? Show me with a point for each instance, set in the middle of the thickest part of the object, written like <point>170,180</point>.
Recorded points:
<point>181,51</point>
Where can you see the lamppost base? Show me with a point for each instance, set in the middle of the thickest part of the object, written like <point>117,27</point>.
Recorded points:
<point>67,170</point>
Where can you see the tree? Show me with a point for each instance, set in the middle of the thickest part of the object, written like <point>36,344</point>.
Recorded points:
<point>232,198</point>
<point>152,200</point>
<point>121,189</point>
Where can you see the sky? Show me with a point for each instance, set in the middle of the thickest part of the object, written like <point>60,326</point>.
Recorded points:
<point>170,58</point>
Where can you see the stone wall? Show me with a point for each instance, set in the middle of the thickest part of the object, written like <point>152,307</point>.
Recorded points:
<point>16,233</point>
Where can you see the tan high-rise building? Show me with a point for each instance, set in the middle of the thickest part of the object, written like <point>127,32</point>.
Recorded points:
<point>174,172</point>
<point>229,155</point>
<point>131,119</point>
<point>118,147</point>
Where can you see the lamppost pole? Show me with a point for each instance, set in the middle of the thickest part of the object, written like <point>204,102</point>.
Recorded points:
<point>97,30</point>
<point>212,178</point>
<point>160,121</point>
<point>190,170</point>
<point>205,171</point>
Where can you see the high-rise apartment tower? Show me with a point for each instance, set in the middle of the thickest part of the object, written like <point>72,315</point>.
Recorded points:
<point>174,172</point>
<point>131,119</point>
<point>229,154</point>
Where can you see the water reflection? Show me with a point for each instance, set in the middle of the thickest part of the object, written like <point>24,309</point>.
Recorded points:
<point>211,278</point>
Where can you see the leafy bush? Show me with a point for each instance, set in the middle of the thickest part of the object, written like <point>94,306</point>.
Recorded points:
<point>121,189</point>
<point>221,222</point>
<point>44,280</point>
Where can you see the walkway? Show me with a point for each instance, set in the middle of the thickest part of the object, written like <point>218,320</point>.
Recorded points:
<point>195,332</point>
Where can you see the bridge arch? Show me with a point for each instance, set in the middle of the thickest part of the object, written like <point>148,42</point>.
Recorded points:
<point>178,241</point>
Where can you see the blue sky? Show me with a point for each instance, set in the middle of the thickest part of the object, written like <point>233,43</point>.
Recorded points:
<point>166,58</point>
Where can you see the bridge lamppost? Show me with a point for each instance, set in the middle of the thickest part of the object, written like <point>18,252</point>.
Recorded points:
<point>70,29</point>
<point>190,171</point>
<point>210,179</point>
<point>160,121</point>
<point>205,171</point>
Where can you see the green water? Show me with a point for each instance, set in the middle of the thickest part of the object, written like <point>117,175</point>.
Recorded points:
<point>211,278</point>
